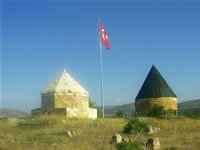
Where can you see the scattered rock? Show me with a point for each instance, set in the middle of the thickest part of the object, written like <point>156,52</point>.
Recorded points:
<point>153,143</point>
<point>73,133</point>
<point>77,132</point>
<point>126,140</point>
<point>116,138</point>
<point>156,129</point>
<point>149,129</point>
<point>93,124</point>
<point>140,118</point>
<point>54,144</point>
<point>63,121</point>
<point>69,134</point>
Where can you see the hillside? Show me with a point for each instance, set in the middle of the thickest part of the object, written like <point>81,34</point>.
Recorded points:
<point>125,108</point>
<point>13,113</point>
<point>190,104</point>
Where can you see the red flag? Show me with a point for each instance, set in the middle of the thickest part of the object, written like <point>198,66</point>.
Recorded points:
<point>104,36</point>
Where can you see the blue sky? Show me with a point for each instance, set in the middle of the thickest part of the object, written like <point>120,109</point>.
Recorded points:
<point>39,39</point>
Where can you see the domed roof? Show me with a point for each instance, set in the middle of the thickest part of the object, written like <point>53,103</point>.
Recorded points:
<point>155,86</point>
<point>65,84</point>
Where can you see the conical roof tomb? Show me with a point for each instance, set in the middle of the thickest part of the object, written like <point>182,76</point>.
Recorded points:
<point>155,86</point>
<point>65,96</point>
<point>65,83</point>
<point>155,90</point>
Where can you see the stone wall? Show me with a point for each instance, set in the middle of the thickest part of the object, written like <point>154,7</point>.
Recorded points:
<point>146,105</point>
<point>78,113</point>
<point>71,100</point>
<point>71,105</point>
<point>68,112</point>
<point>36,112</point>
<point>47,102</point>
<point>59,111</point>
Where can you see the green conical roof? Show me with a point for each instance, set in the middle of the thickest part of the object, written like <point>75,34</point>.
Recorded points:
<point>155,86</point>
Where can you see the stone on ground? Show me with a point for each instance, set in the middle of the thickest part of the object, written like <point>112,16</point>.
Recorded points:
<point>150,130</point>
<point>156,129</point>
<point>69,134</point>
<point>126,140</point>
<point>153,143</point>
<point>116,138</point>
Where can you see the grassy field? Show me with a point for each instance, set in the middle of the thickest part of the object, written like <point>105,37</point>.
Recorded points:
<point>50,133</point>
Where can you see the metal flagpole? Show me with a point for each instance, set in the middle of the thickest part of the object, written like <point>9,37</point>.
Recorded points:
<point>102,93</point>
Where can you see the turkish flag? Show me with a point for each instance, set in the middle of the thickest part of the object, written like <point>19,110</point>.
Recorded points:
<point>104,36</point>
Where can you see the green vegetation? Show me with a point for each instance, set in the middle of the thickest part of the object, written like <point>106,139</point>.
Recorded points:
<point>99,113</point>
<point>135,126</point>
<point>119,114</point>
<point>157,111</point>
<point>193,116</point>
<point>129,146</point>
<point>92,104</point>
<point>171,148</point>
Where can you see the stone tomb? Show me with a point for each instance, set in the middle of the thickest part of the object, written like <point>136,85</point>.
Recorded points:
<point>65,96</point>
<point>155,90</point>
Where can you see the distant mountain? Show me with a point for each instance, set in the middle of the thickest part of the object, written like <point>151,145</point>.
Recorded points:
<point>190,104</point>
<point>13,113</point>
<point>115,108</point>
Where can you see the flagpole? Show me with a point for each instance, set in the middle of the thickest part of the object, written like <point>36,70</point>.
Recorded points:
<point>102,91</point>
<point>101,65</point>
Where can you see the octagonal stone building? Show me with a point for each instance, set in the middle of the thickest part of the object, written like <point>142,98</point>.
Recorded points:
<point>65,96</point>
<point>155,90</point>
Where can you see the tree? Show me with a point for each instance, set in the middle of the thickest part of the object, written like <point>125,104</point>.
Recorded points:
<point>92,104</point>
<point>119,114</point>
<point>136,127</point>
<point>157,111</point>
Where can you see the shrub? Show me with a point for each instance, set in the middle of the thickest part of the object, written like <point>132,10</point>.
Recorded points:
<point>193,116</point>
<point>129,146</point>
<point>171,148</point>
<point>136,126</point>
<point>99,113</point>
<point>156,111</point>
<point>92,104</point>
<point>119,114</point>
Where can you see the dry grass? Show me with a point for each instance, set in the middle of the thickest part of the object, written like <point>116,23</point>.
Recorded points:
<point>50,133</point>
<point>183,133</point>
